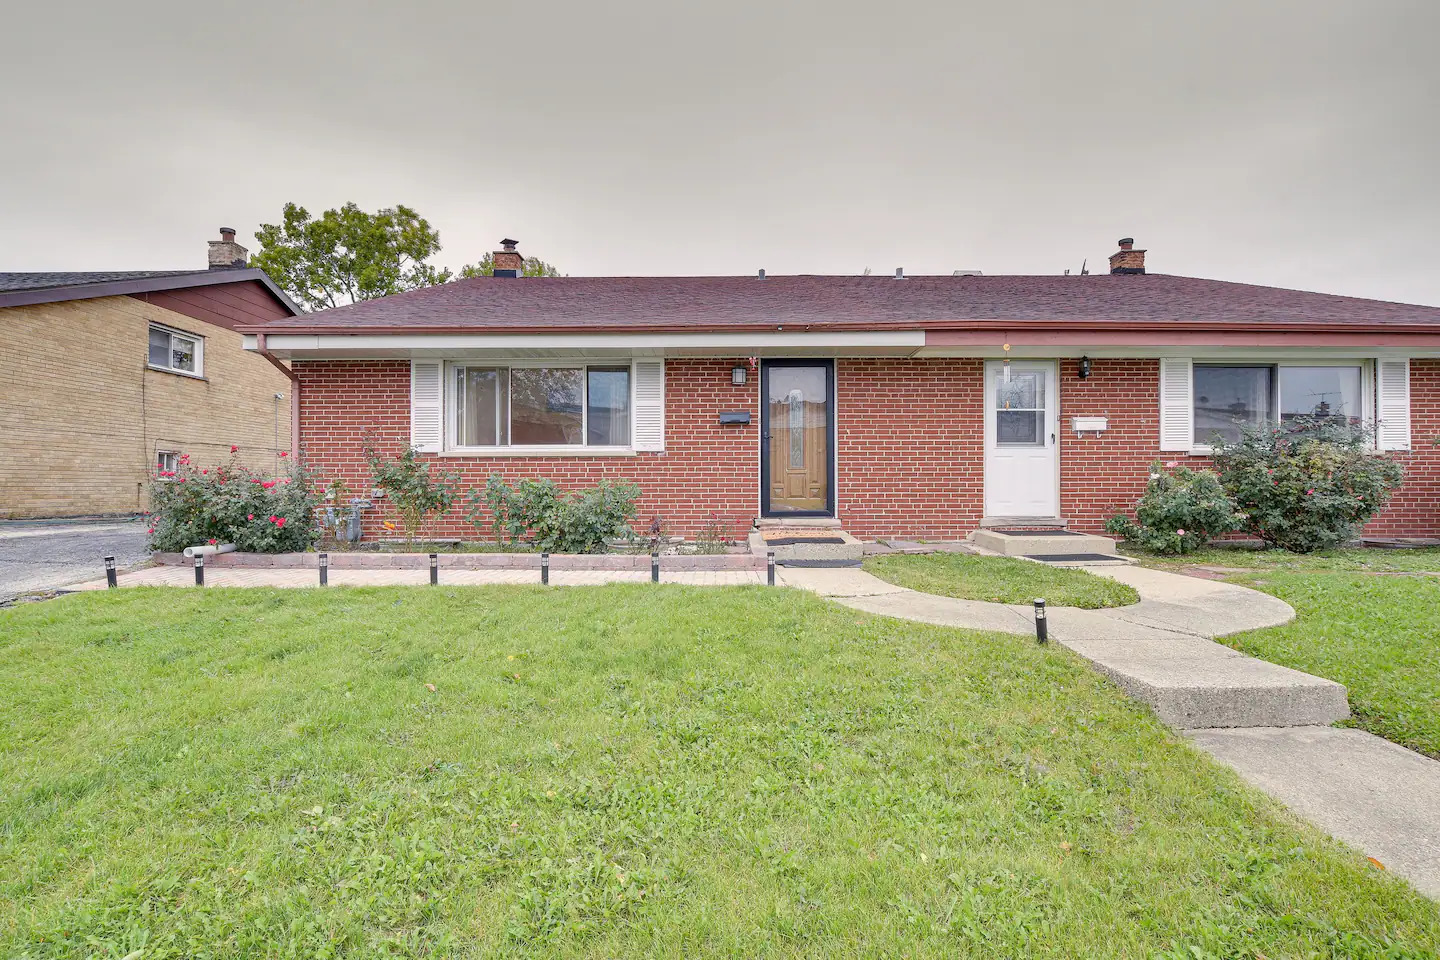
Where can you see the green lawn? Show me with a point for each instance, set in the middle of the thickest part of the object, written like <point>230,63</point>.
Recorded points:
<point>1000,579</point>
<point>621,771</point>
<point>1327,561</point>
<point>1378,635</point>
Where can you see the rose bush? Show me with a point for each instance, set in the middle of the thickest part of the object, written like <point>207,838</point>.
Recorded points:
<point>1179,513</point>
<point>231,503</point>
<point>1310,485</point>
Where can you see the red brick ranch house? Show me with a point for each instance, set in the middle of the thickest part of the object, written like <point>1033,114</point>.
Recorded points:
<point>911,406</point>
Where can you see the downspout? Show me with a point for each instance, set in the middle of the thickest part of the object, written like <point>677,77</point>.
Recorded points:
<point>294,393</point>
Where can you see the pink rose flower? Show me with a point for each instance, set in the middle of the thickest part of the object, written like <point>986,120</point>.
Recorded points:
<point>212,541</point>
<point>284,453</point>
<point>234,449</point>
<point>279,524</point>
<point>249,516</point>
<point>273,518</point>
<point>1180,532</point>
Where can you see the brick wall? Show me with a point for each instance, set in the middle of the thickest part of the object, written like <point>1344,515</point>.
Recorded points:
<point>82,416</point>
<point>704,469</point>
<point>909,436</point>
<point>911,446</point>
<point>1100,476</point>
<point>1415,509</point>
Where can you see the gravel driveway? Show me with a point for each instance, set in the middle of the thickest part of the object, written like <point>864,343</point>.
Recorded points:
<point>45,554</point>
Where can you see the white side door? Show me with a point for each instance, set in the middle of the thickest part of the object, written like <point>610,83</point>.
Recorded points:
<point>1022,477</point>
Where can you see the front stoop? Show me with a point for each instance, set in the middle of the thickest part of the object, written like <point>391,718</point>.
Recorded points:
<point>796,545</point>
<point>1047,543</point>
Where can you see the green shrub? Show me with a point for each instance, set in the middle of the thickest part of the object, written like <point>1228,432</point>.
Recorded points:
<point>1308,486</point>
<point>1179,513</point>
<point>193,506</point>
<point>407,484</point>
<point>540,513</point>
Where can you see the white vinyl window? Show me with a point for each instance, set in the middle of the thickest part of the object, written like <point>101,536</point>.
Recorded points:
<point>166,461</point>
<point>175,351</point>
<point>514,407</point>
<point>1227,397</point>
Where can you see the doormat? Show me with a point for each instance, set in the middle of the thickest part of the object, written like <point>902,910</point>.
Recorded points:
<point>1073,557</point>
<point>795,541</point>
<point>1052,532</point>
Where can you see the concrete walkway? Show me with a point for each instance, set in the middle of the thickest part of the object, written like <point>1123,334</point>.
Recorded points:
<point>1266,721</point>
<point>1158,650</point>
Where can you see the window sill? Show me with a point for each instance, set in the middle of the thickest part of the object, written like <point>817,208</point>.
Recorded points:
<point>539,451</point>
<point>178,373</point>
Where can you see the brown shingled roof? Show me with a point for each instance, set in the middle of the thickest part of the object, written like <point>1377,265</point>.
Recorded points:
<point>618,304</point>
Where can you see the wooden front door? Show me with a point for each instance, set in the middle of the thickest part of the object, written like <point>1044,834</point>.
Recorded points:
<point>797,462</point>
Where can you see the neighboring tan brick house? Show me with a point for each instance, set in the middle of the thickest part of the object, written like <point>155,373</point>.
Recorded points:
<point>916,406</point>
<point>107,376</point>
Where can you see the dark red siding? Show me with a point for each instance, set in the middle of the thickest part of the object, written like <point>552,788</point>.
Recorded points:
<point>223,304</point>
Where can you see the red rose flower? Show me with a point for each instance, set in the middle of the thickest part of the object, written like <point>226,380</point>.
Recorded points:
<point>273,518</point>
<point>284,453</point>
<point>234,449</point>
<point>280,523</point>
<point>249,516</point>
<point>212,541</point>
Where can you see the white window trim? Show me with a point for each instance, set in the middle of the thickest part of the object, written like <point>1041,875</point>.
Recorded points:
<point>159,466</point>
<point>449,448</point>
<point>1367,385</point>
<point>199,341</point>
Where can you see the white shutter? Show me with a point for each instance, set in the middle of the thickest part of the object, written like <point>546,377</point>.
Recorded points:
<point>1177,408</point>
<point>1392,404</point>
<point>649,405</point>
<point>426,406</point>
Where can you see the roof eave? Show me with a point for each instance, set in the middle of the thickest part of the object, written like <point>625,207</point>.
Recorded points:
<point>1067,326</point>
<point>120,288</point>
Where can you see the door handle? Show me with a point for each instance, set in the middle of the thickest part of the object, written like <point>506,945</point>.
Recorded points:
<point>1052,438</point>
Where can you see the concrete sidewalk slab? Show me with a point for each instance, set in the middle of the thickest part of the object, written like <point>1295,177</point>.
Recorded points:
<point>942,611</point>
<point>1368,792</point>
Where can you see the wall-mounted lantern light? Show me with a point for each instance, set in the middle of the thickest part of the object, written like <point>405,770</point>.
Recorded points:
<point>1084,368</point>
<point>739,374</point>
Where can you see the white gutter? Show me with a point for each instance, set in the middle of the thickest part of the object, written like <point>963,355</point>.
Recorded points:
<point>899,342</point>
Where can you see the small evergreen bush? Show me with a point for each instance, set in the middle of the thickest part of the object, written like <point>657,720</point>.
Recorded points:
<point>1180,512</point>
<point>553,520</point>
<point>1311,485</point>
<point>230,503</point>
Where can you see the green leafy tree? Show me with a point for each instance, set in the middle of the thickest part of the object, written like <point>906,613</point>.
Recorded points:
<point>348,254</point>
<point>532,267</point>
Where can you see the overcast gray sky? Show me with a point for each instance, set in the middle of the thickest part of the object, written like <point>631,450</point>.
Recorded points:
<point>1288,142</point>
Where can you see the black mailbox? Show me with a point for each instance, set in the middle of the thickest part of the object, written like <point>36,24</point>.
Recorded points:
<point>735,416</point>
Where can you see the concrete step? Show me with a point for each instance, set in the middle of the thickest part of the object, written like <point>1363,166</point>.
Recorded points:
<point>1041,542</point>
<point>809,545</point>
<point>1193,683</point>
<point>797,523</point>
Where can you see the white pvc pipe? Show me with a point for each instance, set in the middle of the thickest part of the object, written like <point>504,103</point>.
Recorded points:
<point>208,550</point>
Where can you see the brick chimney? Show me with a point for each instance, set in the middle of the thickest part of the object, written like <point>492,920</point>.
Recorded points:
<point>507,260</point>
<point>1127,259</point>
<point>225,253</point>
